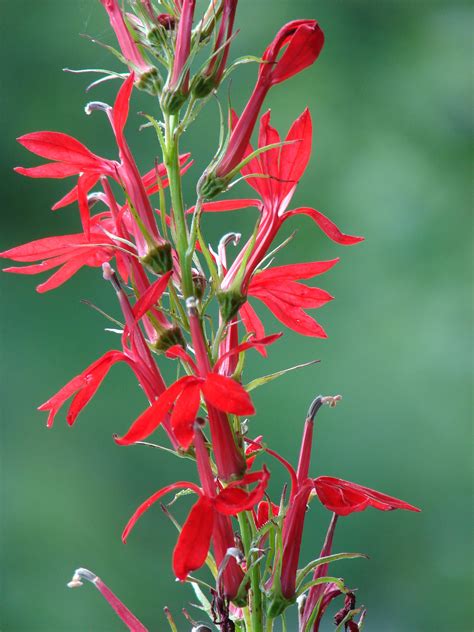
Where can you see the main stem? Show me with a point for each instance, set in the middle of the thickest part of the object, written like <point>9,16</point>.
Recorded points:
<point>255,601</point>
<point>176,191</point>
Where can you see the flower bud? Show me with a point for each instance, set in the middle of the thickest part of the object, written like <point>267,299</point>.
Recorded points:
<point>211,77</point>
<point>158,259</point>
<point>177,90</point>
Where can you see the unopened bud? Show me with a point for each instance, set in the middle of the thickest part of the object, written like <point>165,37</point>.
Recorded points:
<point>150,81</point>
<point>158,259</point>
<point>170,338</point>
<point>230,303</point>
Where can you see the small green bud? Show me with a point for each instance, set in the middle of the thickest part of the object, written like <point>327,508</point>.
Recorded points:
<point>210,186</point>
<point>171,337</point>
<point>230,303</point>
<point>158,259</point>
<point>150,81</point>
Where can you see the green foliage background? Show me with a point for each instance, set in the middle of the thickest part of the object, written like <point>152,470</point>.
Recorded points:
<point>390,100</point>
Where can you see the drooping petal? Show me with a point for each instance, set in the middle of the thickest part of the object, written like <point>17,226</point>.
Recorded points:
<point>151,297</point>
<point>177,351</point>
<point>326,225</point>
<point>46,247</point>
<point>155,414</point>
<point>227,395</point>
<point>153,498</point>
<point>250,344</point>
<point>343,497</point>
<point>195,539</point>
<point>64,273</point>
<point>184,414</point>
<point>253,324</point>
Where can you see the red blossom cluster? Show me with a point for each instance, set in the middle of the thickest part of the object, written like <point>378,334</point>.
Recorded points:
<point>166,280</point>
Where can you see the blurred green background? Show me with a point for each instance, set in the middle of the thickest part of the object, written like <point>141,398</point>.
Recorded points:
<point>390,98</point>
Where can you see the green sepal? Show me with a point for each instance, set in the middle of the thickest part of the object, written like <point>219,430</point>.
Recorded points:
<point>230,303</point>
<point>158,259</point>
<point>170,338</point>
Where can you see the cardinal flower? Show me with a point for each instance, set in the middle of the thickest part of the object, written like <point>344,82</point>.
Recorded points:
<point>70,157</point>
<point>280,170</point>
<point>199,528</point>
<point>135,353</point>
<point>340,497</point>
<point>183,398</point>
<point>69,253</point>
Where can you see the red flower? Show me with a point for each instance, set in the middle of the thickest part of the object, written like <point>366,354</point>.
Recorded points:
<point>195,538</point>
<point>178,88</point>
<point>340,497</point>
<point>296,46</point>
<point>281,169</point>
<point>344,498</point>
<point>184,399</point>
<point>72,158</point>
<point>135,353</point>
<point>286,299</point>
<point>68,252</point>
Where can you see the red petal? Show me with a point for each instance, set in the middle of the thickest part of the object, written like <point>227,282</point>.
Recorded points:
<point>263,513</point>
<point>295,155</point>
<point>63,148</point>
<point>293,317</point>
<point>343,497</point>
<point>84,210</point>
<point>329,228</point>
<point>46,247</point>
<point>194,540</point>
<point>233,499</point>
<point>155,414</point>
<point>295,294</point>
<point>92,379</point>
<point>293,272</point>
<point>227,205</point>
<point>122,104</point>
<point>62,275</point>
<point>89,181</point>
<point>152,295</point>
<point>227,395</point>
<point>49,170</point>
<point>253,324</point>
<point>184,414</point>
<point>177,351</point>
<point>150,501</point>
<point>250,344</point>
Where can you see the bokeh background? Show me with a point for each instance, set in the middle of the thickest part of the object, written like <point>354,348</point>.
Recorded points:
<point>390,98</point>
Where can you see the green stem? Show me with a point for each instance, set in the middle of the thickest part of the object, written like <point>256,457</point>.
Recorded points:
<point>176,191</point>
<point>256,611</point>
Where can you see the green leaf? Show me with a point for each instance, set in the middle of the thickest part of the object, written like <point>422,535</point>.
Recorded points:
<point>324,560</point>
<point>265,379</point>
